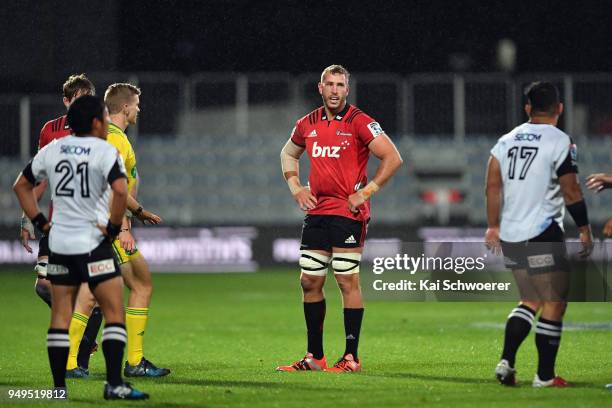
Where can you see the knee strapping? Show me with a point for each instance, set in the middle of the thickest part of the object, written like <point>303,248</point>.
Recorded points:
<point>314,263</point>
<point>346,263</point>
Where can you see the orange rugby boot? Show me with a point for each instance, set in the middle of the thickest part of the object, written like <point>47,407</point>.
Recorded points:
<point>308,363</point>
<point>346,364</point>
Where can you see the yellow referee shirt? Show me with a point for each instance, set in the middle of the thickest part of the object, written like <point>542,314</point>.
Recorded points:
<point>118,138</point>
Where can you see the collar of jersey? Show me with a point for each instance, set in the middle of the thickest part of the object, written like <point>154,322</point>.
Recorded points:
<point>111,124</point>
<point>340,115</point>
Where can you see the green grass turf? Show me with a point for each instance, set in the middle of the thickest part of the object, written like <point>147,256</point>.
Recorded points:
<point>223,334</point>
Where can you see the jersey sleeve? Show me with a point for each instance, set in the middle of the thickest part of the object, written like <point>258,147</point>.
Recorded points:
<point>367,128</point>
<point>297,134</point>
<point>35,170</point>
<point>112,165</point>
<point>565,156</point>
<point>43,139</point>
<point>497,150</point>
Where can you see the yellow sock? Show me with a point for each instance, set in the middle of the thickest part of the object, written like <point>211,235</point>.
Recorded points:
<point>75,335</point>
<point>135,323</point>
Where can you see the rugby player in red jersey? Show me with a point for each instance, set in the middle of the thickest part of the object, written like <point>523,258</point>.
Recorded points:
<point>338,138</point>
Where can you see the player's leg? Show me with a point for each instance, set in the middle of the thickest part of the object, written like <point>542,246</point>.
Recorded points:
<point>348,237</point>
<point>64,286</point>
<point>88,343</point>
<point>107,289</point>
<point>554,287</point>
<point>521,318</point>
<point>137,276</point>
<point>84,304</point>
<point>42,285</point>
<point>314,260</point>
<point>57,337</point>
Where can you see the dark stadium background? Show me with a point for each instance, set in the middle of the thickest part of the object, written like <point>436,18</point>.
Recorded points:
<point>193,57</point>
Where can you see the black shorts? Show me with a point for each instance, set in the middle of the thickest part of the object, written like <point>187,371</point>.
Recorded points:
<point>93,267</point>
<point>43,246</point>
<point>545,253</point>
<point>327,231</point>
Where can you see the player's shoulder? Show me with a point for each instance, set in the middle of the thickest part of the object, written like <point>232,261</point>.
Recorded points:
<point>354,115</point>
<point>312,117</point>
<point>56,125</point>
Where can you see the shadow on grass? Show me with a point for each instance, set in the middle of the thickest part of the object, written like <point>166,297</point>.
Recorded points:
<point>467,380</point>
<point>246,384</point>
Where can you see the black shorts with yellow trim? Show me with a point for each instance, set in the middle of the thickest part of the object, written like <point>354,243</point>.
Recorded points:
<point>121,255</point>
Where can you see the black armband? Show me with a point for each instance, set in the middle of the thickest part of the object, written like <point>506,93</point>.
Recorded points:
<point>112,230</point>
<point>137,211</point>
<point>567,166</point>
<point>115,173</point>
<point>578,211</point>
<point>28,174</point>
<point>40,221</point>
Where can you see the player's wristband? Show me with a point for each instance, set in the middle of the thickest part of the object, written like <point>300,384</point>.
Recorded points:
<point>294,185</point>
<point>368,190</point>
<point>40,221</point>
<point>138,211</point>
<point>112,230</point>
<point>578,211</point>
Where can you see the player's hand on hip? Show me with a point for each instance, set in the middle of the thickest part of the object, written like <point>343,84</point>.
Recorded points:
<point>126,240</point>
<point>305,199</point>
<point>355,201</point>
<point>586,238</point>
<point>598,182</point>
<point>148,217</point>
<point>608,228</point>
<point>25,237</point>
<point>492,241</point>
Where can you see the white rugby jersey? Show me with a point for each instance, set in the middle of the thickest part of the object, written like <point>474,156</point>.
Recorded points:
<point>532,158</point>
<point>79,170</point>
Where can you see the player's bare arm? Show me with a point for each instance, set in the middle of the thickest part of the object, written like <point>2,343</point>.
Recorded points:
<point>493,192</point>
<point>27,199</point>
<point>599,182</point>
<point>139,212</point>
<point>390,161</point>
<point>574,202</point>
<point>118,205</point>
<point>290,162</point>
<point>27,232</point>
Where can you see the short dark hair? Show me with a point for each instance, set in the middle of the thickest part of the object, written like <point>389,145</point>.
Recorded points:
<point>543,97</point>
<point>76,83</point>
<point>83,111</point>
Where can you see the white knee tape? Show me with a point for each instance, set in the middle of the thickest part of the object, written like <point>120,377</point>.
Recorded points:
<point>313,263</point>
<point>346,263</point>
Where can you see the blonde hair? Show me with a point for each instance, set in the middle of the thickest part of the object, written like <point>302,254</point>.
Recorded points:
<point>335,69</point>
<point>117,95</point>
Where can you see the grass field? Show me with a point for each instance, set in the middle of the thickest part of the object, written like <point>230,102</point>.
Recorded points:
<point>223,334</point>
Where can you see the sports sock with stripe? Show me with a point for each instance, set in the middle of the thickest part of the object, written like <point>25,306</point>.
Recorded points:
<point>352,328</point>
<point>314,313</point>
<point>548,337</point>
<point>57,349</point>
<point>136,323</point>
<point>78,323</point>
<point>518,326</point>
<point>114,337</point>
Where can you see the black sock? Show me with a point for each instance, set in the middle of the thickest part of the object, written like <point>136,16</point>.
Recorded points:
<point>352,327</point>
<point>58,346</point>
<point>89,337</point>
<point>548,336</point>
<point>314,313</point>
<point>114,338</point>
<point>518,325</point>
